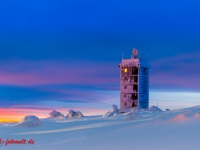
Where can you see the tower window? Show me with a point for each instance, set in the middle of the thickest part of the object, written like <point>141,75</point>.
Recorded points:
<point>125,79</point>
<point>125,69</point>
<point>135,88</point>
<point>125,87</point>
<point>135,71</point>
<point>125,95</point>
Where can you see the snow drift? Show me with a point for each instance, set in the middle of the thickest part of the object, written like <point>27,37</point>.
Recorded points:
<point>177,118</point>
<point>29,121</point>
<point>154,109</point>
<point>74,114</point>
<point>56,115</point>
<point>132,116</point>
<point>184,116</point>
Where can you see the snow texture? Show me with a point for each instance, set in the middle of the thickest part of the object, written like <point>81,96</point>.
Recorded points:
<point>29,121</point>
<point>132,115</point>
<point>56,115</point>
<point>184,116</point>
<point>74,114</point>
<point>134,109</point>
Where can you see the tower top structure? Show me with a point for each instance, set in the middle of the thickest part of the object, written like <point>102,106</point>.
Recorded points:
<point>135,53</point>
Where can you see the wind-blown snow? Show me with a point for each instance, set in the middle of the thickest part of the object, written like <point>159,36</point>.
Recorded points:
<point>29,121</point>
<point>137,129</point>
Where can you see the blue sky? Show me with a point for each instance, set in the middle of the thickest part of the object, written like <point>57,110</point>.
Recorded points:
<point>52,50</point>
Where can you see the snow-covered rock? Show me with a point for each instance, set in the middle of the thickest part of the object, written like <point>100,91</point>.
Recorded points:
<point>113,113</point>
<point>56,115</point>
<point>29,121</point>
<point>115,109</point>
<point>74,114</point>
<point>154,109</point>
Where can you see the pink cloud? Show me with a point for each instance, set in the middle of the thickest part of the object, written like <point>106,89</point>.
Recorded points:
<point>25,73</point>
<point>180,71</point>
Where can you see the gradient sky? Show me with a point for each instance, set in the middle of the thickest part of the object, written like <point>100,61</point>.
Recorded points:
<point>64,54</point>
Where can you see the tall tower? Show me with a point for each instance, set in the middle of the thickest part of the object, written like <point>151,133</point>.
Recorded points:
<point>134,82</point>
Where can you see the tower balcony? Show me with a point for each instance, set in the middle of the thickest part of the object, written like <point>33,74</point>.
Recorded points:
<point>129,96</point>
<point>130,88</point>
<point>129,79</point>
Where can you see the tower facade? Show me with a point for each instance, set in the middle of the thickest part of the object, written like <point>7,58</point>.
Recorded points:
<point>134,82</point>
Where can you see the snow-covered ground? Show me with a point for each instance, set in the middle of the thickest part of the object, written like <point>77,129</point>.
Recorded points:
<point>136,130</point>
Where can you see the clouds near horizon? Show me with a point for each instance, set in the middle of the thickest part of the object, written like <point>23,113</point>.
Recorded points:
<point>176,72</point>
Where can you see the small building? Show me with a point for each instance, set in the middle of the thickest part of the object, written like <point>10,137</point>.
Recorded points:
<point>134,82</point>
